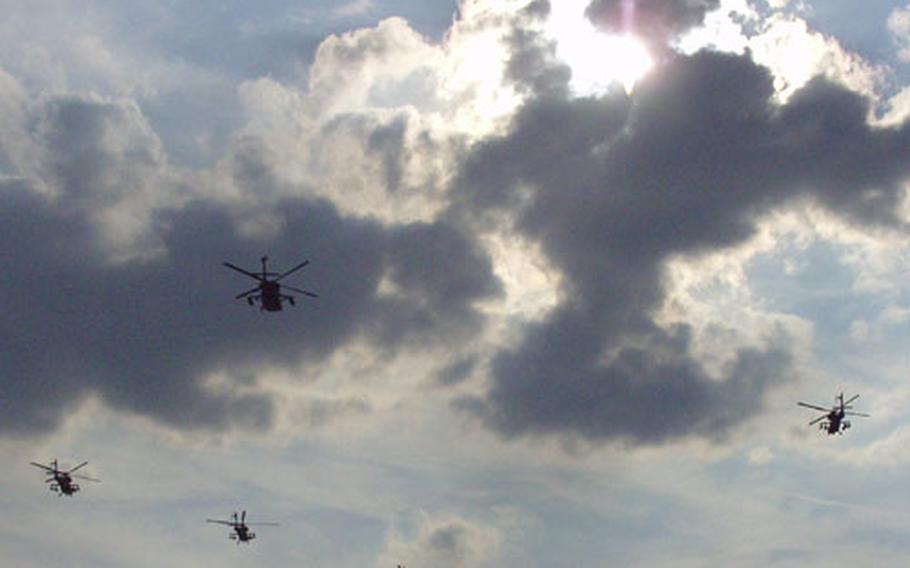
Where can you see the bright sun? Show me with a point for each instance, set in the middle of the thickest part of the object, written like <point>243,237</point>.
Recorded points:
<point>597,60</point>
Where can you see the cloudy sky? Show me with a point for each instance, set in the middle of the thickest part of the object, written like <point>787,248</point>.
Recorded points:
<point>576,262</point>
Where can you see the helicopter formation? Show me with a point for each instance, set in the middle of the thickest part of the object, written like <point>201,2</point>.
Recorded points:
<point>268,293</point>
<point>61,483</point>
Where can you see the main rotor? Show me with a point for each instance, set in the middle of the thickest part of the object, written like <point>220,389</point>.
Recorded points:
<point>269,290</point>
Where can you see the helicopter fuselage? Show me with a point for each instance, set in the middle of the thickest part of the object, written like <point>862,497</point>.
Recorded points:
<point>63,485</point>
<point>242,533</point>
<point>835,423</point>
<point>270,296</point>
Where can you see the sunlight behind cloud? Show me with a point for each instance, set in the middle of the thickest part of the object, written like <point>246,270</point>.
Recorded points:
<point>597,60</point>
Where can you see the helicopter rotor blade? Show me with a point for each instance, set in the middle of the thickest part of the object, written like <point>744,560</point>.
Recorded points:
<point>857,414</point>
<point>817,420</point>
<point>299,291</point>
<point>44,467</point>
<point>228,523</point>
<point>243,517</point>
<point>291,271</point>
<point>86,478</point>
<point>81,465</point>
<point>263,524</point>
<point>846,402</point>
<point>247,293</point>
<point>812,406</point>
<point>242,271</point>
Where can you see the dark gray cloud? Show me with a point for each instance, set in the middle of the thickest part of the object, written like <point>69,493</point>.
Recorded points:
<point>612,188</point>
<point>457,372</point>
<point>143,334</point>
<point>658,21</point>
<point>97,152</point>
<point>533,66</point>
<point>449,541</point>
<point>439,274</point>
<point>387,142</point>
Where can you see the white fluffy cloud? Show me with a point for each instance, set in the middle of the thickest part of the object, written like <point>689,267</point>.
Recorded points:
<point>899,27</point>
<point>787,46</point>
<point>385,112</point>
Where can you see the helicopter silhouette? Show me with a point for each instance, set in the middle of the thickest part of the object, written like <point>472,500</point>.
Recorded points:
<point>833,420</point>
<point>61,481</point>
<point>268,292</point>
<point>241,529</point>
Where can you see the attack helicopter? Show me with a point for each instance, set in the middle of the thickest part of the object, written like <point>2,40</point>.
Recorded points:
<point>61,481</point>
<point>240,528</point>
<point>833,421</point>
<point>268,292</point>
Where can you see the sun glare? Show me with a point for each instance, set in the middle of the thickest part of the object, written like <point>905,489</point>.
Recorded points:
<point>598,60</point>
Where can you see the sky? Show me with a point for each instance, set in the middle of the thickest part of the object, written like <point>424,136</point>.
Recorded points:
<point>577,260</point>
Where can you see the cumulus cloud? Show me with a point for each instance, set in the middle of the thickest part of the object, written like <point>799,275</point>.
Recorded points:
<point>607,190</point>
<point>796,54</point>
<point>357,162</point>
<point>386,111</point>
<point>447,543</point>
<point>144,334</point>
<point>613,190</point>
<point>96,156</point>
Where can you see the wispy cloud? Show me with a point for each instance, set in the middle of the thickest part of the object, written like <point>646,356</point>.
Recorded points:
<point>355,8</point>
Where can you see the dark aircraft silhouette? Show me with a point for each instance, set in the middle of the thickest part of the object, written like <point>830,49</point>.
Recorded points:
<point>268,292</point>
<point>241,530</point>
<point>61,480</point>
<point>833,420</point>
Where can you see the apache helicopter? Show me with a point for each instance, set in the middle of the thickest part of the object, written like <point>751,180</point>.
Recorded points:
<point>833,420</point>
<point>62,481</point>
<point>268,292</point>
<point>241,530</point>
